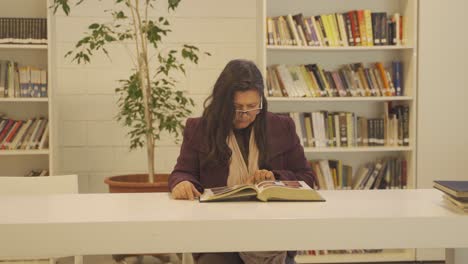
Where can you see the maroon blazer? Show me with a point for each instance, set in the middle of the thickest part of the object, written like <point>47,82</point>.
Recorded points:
<point>286,157</point>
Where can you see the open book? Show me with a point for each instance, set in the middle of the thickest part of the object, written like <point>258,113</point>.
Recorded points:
<point>264,191</point>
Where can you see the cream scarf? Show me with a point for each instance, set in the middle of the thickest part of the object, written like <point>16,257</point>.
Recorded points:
<point>239,172</point>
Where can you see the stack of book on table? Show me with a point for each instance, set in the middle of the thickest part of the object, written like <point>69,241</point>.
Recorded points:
<point>455,193</point>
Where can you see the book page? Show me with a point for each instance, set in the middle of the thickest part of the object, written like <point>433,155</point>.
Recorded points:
<point>226,189</point>
<point>225,193</point>
<point>287,191</point>
<point>283,184</point>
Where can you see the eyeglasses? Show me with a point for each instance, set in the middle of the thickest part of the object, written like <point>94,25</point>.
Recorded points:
<point>250,112</point>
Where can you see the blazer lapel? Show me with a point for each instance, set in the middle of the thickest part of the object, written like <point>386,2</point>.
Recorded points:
<point>278,135</point>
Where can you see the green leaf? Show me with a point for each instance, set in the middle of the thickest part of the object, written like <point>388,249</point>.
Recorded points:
<point>190,47</point>
<point>86,58</point>
<point>94,26</point>
<point>120,15</point>
<point>109,38</point>
<point>185,53</point>
<point>173,4</point>
<point>61,3</point>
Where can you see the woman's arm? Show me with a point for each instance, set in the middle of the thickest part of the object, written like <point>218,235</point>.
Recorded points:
<point>187,167</point>
<point>296,168</point>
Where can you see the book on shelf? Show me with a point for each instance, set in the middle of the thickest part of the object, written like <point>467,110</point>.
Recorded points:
<point>351,28</point>
<point>24,135</point>
<point>331,174</point>
<point>323,252</point>
<point>384,173</point>
<point>22,81</point>
<point>263,191</point>
<point>345,129</point>
<point>36,173</point>
<point>349,80</point>
<point>18,30</point>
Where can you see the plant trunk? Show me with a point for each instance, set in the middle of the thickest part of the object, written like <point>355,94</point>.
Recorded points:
<point>145,83</point>
<point>150,151</point>
<point>146,89</point>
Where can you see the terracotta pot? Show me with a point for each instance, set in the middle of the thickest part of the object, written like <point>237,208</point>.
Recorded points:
<point>137,183</point>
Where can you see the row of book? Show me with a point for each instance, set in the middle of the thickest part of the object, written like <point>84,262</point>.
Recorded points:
<point>385,173</point>
<point>36,173</point>
<point>23,30</point>
<point>311,80</point>
<point>22,81</point>
<point>337,252</point>
<point>24,134</point>
<point>346,129</point>
<point>353,28</point>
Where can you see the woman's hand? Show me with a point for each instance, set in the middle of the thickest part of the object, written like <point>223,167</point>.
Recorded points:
<point>261,175</point>
<point>185,190</point>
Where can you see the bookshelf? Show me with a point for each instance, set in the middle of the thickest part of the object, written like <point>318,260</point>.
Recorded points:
<point>355,149</point>
<point>299,48</point>
<point>387,255</point>
<point>330,58</point>
<point>19,162</point>
<point>19,100</point>
<point>341,99</point>
<point>23,46</point>
<point>24,152</point>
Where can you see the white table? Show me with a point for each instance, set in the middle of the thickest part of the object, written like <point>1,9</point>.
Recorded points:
<point>88,224</point>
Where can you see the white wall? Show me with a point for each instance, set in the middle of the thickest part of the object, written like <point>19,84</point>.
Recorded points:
<point>443,94</point>
<point>90,141</point>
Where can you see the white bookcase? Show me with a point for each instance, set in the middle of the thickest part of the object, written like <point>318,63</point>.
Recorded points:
<point>372,107</point>
<point>20,162</point>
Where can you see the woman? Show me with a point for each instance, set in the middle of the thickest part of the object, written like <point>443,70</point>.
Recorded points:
<point>238,141</point>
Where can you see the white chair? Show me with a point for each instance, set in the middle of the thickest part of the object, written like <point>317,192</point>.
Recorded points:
<point>39,186</point>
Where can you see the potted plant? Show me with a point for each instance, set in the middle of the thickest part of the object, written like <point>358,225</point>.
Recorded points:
<point>149,102</point>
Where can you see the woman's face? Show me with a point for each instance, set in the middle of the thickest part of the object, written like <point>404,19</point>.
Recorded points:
<point>247,105</point>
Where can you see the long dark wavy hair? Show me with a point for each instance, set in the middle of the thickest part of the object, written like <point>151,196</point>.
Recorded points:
<point>238,75</point>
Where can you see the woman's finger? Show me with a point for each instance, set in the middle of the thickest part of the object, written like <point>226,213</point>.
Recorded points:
<point>258,176</point>
<point>176,193</point>
<point>188,192</point>
<point>265,175</point>
<point>270,175</point>
<point>195,191</point>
